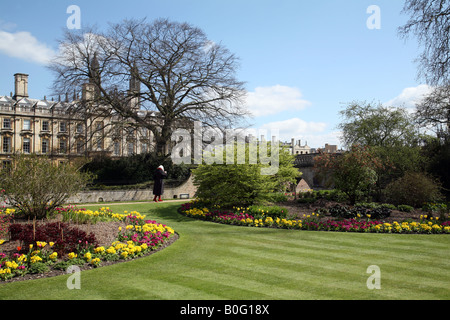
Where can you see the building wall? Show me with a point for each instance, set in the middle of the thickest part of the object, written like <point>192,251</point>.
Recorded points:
<point>52,128</point>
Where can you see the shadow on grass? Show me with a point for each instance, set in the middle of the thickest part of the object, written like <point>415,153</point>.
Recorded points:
<point>168,212</point>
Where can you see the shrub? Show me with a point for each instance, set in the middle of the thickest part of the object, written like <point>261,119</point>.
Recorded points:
<point>35,185</point>
<point>345,212</point>
<point>354,173</point>
<point>277,197</point>
<point>405,208</point>
<point>66,238</point>
<point>413,189</point>
<point>379,213</point>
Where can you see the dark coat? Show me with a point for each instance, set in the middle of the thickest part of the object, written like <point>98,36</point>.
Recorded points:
<point>158,185</point>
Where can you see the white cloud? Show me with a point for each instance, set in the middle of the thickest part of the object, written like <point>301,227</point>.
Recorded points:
<point>266,101</point>
<point>310,132</point>
<point>24,45</point>
<point>409,97</point>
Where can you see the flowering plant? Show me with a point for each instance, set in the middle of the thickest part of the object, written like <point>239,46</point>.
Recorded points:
<point>138,238</point>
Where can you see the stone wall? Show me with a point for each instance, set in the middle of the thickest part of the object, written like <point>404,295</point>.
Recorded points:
<point>184,191</point>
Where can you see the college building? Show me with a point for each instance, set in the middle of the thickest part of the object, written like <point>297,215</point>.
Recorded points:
<point>64,130</point>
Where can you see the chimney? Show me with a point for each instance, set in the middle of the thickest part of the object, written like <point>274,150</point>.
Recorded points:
<point>20,86</point>
<point>87,92</point>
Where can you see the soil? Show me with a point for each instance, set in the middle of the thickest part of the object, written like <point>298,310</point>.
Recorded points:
<point>105,233</point>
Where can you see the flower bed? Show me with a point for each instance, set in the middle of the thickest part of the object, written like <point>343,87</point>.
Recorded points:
<point>315,222</point>
<point>138,238</point>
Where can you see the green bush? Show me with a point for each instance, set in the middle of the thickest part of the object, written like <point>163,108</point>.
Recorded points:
<point>133,169</point>
<point>346,212</point>
<point>413,189</point>
<point>239,184</point>
<point>405,208</point>
<point>277,197</point>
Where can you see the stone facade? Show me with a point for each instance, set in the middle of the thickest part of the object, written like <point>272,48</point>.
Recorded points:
<point>184,191</point>
<point>65,130</point>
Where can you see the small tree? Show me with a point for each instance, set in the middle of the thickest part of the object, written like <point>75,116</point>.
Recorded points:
<point>36,186</point>
<point>354,173</point>
<point>287,174</point>
<point>243,184</point>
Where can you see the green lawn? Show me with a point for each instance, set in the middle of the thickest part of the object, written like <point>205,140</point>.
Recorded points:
<point>213,261</point>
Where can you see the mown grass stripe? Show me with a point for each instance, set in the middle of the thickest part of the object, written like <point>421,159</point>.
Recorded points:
<point>214,261</point>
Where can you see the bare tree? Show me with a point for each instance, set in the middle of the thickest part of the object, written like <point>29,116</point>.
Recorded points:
<point>434,110</point>
<point>430,22</point>
<point>160,75</point>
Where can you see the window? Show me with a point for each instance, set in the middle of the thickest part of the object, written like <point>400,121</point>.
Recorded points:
<point>26,145</point>
<point>6,144</point>
<point>144,148</point>
<point>79,128</point>
<point>44,146</point>
<point>99,127</point>
<point>26,124</point>
<point>130,148</point>
<point>62,146</point>
<point>6,123</point>
<point>99,143</point>
<point>45,126</point>
<point>80,146</point>
<point>116,148</point>
<point>62,127</point>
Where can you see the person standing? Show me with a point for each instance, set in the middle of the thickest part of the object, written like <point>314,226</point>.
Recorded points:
<point>158,185</point>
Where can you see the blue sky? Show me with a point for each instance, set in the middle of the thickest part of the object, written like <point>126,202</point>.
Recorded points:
<point>302,61</point>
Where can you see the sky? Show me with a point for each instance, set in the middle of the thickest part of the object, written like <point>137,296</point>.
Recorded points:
<point>301,61</point>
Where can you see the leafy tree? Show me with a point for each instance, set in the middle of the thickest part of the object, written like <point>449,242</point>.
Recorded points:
<point>392,135</point>
<point>287,174</point>
<point>354,173</point>
<point>372,125</point>
<point>241,184</point>
<point>36,186</point>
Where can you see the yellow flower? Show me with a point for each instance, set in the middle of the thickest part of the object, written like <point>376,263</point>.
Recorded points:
<point>2,241</point>
<point>11,264</point>
<point>99,249</point>
<point>35,259</point>
<point>111,250</point>
<point>72,255</point>
<point>95,261</point>
<point>41,244</point>
<point>53,256</point>
<point>88,256</point>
